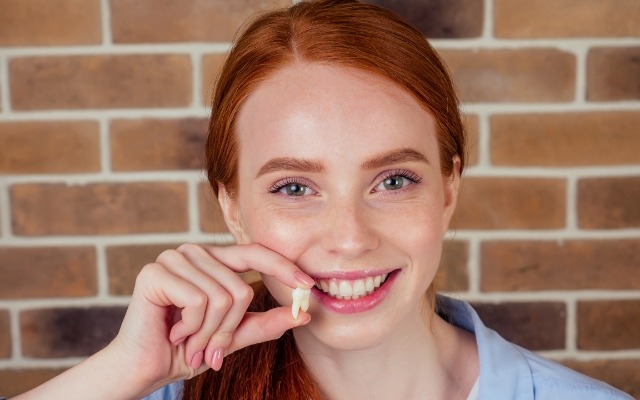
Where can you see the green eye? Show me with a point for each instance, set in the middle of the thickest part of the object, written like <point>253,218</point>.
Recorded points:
<point>295,189</point>
<point>393,182</point>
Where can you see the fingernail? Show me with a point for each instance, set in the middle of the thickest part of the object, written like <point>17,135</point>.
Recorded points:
<point>303,319</point>
<point>304,278</point>
<point>216,359</point>
<point>178,341</point>
<point>196,360</point>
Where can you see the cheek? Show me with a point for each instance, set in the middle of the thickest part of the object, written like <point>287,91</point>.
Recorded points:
<point>282,234</point>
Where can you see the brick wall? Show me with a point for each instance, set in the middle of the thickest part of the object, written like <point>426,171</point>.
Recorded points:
<point>103,107</point>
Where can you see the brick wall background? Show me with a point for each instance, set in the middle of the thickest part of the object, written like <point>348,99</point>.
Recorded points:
<point>103,107</point>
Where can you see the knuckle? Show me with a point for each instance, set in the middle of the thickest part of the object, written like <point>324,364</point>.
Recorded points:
<point>168,256</point>
<point>244,294</point>
<point>222,302</point>
<point>198,300</point>
<point>188,248</point>
<point>149,271</point>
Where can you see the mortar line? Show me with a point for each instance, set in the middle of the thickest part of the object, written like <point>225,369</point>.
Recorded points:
<point>571,327</point>
<point>5,92</point>
<point>105,10</point>
<point>102,274</point>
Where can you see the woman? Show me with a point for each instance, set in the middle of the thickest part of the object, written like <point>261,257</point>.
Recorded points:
<point>335,149</point>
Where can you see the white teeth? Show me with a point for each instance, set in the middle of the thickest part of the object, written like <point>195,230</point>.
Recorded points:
<point>345,289</point>
<point>351,289</point>
<point>369,284</point>
<point>358,288</point>
<point>333,288</point>
<point>300,301</point>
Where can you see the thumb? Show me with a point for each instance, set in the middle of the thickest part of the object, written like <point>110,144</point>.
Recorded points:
<point>264,326</point>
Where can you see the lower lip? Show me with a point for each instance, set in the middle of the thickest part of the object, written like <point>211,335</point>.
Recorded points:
<point>358,305</point>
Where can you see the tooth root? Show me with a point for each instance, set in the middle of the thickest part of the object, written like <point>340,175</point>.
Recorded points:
<point>295,309</point>
<point>300,301</point>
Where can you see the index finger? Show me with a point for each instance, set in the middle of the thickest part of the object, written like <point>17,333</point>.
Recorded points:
<point>246,257</point>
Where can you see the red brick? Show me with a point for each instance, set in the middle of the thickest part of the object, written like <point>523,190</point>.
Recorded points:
<point>440,18</point>
<point>608,325</point>
<point>520,75</point>
<point>68,332</point>
<point>510,203</point>
<point>157,144</point>
<point>211,218</point>
<point>452,275</point>
<point>565,139</point>
<point>31,147</point>
<point>30,272</point>
<point>609,203</point>
<point>125,262</point>
<point>5,335</point>
<point>17,381</point>
<point>623,374</point>
<point>50,22</point>
<point>566,18</point>
<point>560,265</point>
<point>157,21</point>
<point>613,74</point>
<point>100,81</point>
<point>211,66</point>
<point>535,326</point>
<point>100,208</point>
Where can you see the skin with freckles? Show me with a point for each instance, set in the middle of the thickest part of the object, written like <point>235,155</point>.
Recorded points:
<point>339,172</point>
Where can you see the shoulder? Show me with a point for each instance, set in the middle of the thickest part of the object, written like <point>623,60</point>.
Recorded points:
<point>553,381</point>
<point>170,392</point>
<point>508,371</point>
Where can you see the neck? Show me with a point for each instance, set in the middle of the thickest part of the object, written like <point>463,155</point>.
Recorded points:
<point>426,358</point>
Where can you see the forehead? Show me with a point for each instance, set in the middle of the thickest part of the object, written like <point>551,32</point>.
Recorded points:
<point>319,111</point>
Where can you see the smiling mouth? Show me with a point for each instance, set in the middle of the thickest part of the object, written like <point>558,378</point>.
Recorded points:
<point>351,289</point>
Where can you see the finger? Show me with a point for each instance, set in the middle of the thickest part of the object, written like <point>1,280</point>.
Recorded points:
<point>264,326</point>
<point>228,316</point>
<point>243,258</point>
<point>161,288</point>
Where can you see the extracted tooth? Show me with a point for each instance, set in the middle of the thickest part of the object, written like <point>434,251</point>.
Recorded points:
<point>300,301</point>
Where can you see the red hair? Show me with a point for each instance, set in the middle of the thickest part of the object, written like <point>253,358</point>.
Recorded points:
<point>339,32</point>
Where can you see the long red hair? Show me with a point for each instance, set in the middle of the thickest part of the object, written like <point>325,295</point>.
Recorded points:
<point>339,32</point>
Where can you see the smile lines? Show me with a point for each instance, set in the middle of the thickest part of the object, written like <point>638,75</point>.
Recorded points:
<point>350,289</point>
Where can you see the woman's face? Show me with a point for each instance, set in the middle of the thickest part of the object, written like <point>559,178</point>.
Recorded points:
<point>339,172</point>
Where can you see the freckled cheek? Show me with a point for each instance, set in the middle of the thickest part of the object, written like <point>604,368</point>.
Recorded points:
<point>284,235</point>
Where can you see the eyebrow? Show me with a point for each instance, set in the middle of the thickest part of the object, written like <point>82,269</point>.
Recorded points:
<point>290,164</point>
<point>305,165</point>
<point>394,157</point>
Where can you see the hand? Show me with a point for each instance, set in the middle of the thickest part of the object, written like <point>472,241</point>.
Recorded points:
<point>189,309</point>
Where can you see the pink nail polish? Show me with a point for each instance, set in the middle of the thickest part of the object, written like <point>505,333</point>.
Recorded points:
<point>196,360</point>
<point>216,359</point>
<point>178,341</point>
<point>303,278</point>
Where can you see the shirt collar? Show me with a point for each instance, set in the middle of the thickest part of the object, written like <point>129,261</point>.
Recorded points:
<point>504,372</point>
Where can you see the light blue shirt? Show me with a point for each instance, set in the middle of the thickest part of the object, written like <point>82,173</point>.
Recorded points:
<point>507,371</point>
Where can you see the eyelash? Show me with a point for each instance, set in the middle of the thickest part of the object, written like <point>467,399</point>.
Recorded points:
<point>276,187</point>
<point>404,173</point>
<point>412,177</point>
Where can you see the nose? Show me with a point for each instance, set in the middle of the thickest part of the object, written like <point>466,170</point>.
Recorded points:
<point>349,229</point>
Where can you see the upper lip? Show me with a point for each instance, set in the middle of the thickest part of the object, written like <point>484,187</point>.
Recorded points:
<point>351,275</point>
